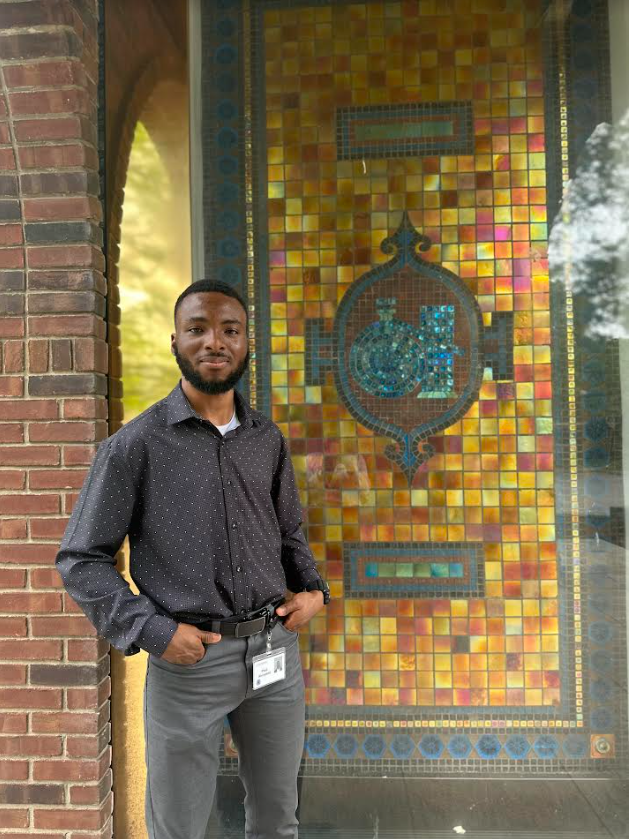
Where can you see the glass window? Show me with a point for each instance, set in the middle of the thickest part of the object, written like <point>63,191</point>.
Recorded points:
<point>425,205</point>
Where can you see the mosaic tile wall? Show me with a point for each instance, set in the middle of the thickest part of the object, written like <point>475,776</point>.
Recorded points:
<point>378,178</point>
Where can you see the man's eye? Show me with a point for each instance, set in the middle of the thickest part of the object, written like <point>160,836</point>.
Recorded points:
<point>232,331</point>
<point>194,329</point>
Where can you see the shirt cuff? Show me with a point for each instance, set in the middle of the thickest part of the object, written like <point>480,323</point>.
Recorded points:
<point>298,580</point>
<point>157,634</point>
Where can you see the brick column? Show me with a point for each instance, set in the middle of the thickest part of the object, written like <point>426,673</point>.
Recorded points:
<point>55,757</point>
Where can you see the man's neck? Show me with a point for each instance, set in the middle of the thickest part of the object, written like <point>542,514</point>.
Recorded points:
<point>218,408</point>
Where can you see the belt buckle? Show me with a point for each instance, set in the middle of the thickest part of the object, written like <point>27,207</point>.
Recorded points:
<point>251,627</point>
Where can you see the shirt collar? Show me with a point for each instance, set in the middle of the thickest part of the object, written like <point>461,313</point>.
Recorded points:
<point>179,409</point>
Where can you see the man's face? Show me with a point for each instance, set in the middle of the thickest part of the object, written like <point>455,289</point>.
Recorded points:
<point>210,341</point>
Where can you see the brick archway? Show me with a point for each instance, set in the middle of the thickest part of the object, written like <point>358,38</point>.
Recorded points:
<point>146,53</point>
<point>141,105</point>
<point>54,673</point>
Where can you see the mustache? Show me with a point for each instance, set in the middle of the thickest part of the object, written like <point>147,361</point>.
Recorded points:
<point>196,380</point>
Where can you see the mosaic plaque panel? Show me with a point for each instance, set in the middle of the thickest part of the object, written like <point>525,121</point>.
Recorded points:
<point>411,130</point>
<point>401,570</point>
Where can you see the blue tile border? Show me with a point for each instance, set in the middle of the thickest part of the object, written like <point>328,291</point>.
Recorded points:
<point>223,149</point>
<point>223,145</point>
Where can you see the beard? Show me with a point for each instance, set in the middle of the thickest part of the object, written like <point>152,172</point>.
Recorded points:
<point>211,388</point>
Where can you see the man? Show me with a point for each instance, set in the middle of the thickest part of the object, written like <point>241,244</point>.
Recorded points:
<point>205,490</point>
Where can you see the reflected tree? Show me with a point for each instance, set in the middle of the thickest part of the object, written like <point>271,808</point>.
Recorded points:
<point>154,268</point>
<point>589,241</point>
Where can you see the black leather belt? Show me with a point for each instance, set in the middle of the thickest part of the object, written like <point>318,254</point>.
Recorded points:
<point>242,626</point>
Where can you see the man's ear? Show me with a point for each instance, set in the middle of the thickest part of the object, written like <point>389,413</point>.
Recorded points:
<point>173,343</point>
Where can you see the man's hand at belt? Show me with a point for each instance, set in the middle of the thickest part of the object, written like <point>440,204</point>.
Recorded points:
<point>186,645</point>
<point>300,609</point>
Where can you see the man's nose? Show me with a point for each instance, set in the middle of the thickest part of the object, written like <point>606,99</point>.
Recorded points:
<point>213,340</point>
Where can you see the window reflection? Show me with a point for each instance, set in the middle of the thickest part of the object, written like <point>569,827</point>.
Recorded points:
<point>154,267</point>
<point>148,264</point>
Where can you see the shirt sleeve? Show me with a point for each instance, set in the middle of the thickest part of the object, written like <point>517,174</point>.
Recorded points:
<point>87,558</point>
<point>297,560</point>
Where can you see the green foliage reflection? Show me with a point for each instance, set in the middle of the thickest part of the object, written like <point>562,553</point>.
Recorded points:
<point>154,268</point>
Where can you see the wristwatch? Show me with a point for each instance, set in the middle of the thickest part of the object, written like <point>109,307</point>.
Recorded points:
<point>322,586</point>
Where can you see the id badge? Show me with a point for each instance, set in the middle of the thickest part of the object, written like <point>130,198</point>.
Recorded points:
<point>269,667</point>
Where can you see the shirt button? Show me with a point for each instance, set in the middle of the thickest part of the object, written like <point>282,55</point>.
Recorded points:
<point>239,569</point>
<point>233,525</point>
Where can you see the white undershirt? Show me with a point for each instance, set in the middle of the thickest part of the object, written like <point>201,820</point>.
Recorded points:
<point>233,423</point>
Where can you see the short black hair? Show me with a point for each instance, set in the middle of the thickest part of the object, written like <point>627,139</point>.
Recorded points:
<point>209,286</point>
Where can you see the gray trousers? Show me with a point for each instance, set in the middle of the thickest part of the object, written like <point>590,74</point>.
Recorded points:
<point>184,710</point>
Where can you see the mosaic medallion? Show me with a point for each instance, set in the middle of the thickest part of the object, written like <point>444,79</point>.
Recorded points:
<point>408,348</point>
<point>386,359</point>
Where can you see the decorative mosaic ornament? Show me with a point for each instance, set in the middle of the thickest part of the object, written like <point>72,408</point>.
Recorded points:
<point>346,746</point>
<point>402,746</point>
<point>317,745</point>
<point>546,747</point>
<point>488,746</point>
<point>408,346</point>
<point>374,746</point>
<point>386,358</point>
<point>460,747</point>
<point>517,747</point>
<point>431,746</point>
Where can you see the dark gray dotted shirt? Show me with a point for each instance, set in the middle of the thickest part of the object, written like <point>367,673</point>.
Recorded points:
<point>214,525</point>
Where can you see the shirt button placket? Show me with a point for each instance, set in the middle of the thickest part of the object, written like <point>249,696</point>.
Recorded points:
<point>234,546</point>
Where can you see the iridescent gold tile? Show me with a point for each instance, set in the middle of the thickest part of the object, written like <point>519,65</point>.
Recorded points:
<point>479,679</point>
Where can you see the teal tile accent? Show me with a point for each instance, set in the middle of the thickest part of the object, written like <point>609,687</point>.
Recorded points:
<point>413,129</point>
<point>393,131</point>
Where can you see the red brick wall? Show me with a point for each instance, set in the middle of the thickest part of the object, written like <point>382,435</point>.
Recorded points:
<point>55,757</point>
